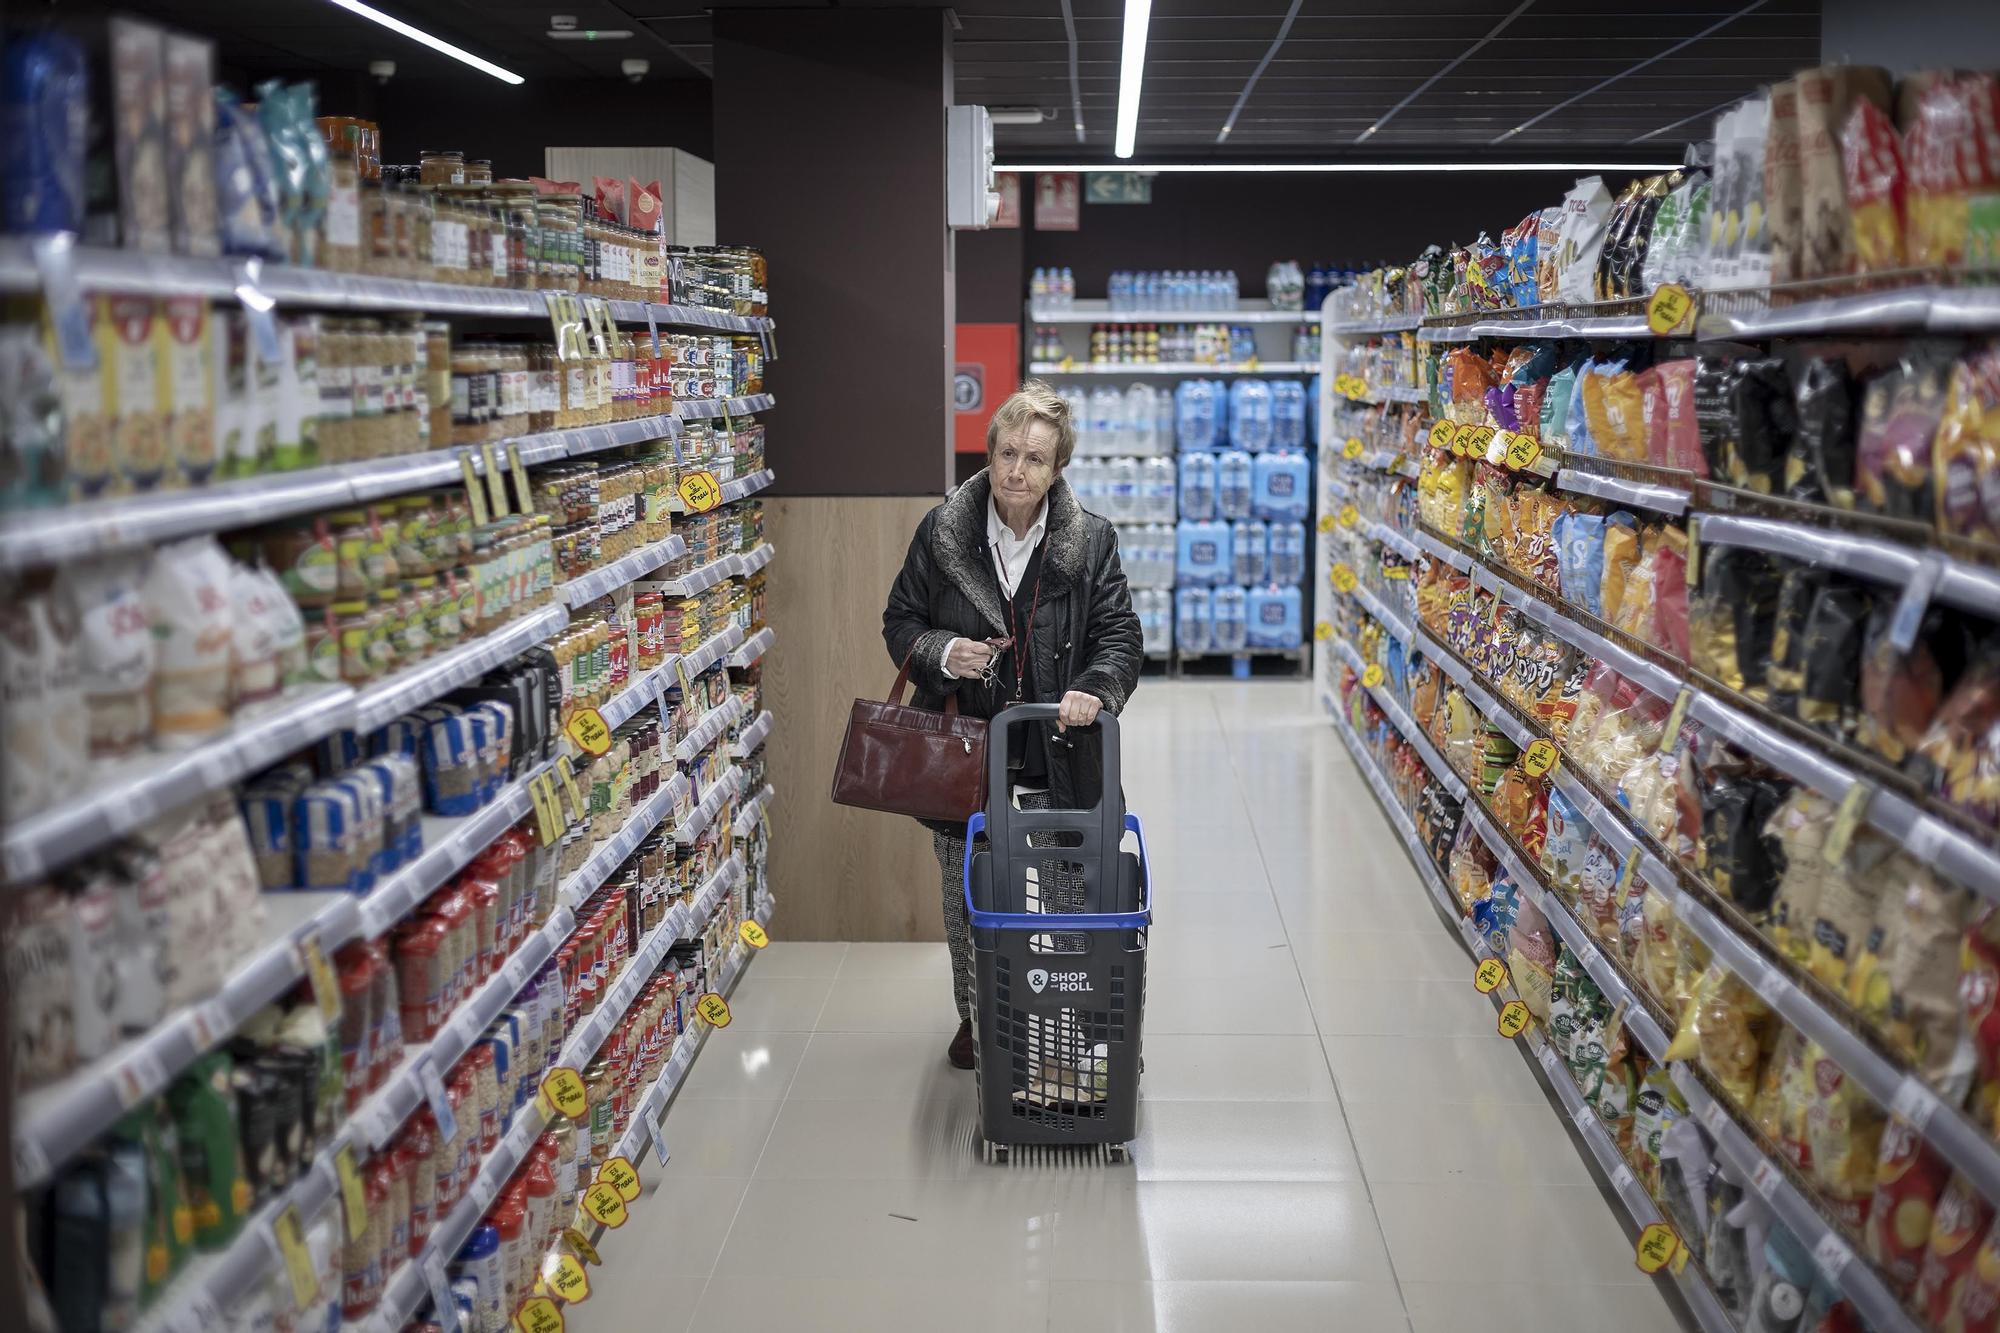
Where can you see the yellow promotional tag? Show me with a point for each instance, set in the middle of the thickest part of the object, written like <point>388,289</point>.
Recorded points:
<point>1482,438</point>
<point>496,481</point>
<point>1675,716</point>
<point>566,1093</point>
<point>353,1192</point>
<point>1694,552</point>
<point>1326,522</point>
<point>753,934</point>
<point>579,1242</point>
<point>1838,838</point>
<point>1353,449</point>
<point>520,471</point>
<point>1513,1018</point>
<point>1670,310</point>
<point>538,1314</point>
<point>700,492</point>
<point>1349,516</point>
<point>1396,462</point>
<point>1629,869</point>
<point>589,731</point>
<point>548,823</point>
<point>1540,758</point>
<point>1343,578</point>
<point>576,801</point>
<point>298,1259</point>
<point>325,984</point>
<point>567,1278</point>
<point>1440,436</point>
<point>1322,630</point>
<point>547,782</point>
<point>1400,573</point>
<point>620,1175</point>
<point>1523,451</point>
<point>601,1203</point>
<point>713,1009</point>
<point>1371,676</point>
<point>1489,976</point>
<point>1656,1247</point>
<point>474,492</point>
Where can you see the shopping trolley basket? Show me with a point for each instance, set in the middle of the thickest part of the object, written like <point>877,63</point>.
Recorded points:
<point>1059,913</point>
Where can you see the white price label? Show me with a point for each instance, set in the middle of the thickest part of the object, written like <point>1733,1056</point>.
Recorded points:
<point>209,1023</point>
<point>439,1282</point>
<point>1765,1178</point>
<point>197,1313</point>
<point>483,1190</point>
<point>1622,1179</point>
<point>1832,1255</point>
<point>139,1076</point>
<point>1714,1117</point>
<point>1914,1102</point>
<point>439,1099</point>
<point>516,972</point>
<point>1584,1117</point>
<point>659,1140</point>
<point>31,1164</point>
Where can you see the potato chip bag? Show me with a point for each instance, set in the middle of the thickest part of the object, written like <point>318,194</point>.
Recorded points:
<point>1494,915</point>
<point>1966,453</point>
<point>1905,981</point>
<point>1636,604</point>
<point>1975,1304</point>
<point>1658,1106</point>
<point>1961,1221</point>
<point>1531,958</point>
<point>1579,539</point>
<point>1909,1179</point>
<point>1615,408</point>
<point>1843,1125</point>
<point>1565,845</point>
<point>1597,891</point>
<point>1555,408</point>
<point>1730,1029</point>
<point>1622,551</point>
<point>1959,756</point>
<point>1872,161</point>
<point>1778,1109</point>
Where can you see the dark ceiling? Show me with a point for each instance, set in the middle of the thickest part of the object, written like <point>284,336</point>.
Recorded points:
<point>1432,76</point>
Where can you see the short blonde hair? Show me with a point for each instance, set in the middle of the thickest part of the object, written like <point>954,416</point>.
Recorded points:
<point>1034,401</point>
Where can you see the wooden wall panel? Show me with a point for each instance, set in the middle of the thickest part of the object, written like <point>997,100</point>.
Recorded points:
<point>839,874</point>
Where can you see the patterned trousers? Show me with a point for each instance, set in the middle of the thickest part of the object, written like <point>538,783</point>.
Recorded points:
<point>1061,890</point>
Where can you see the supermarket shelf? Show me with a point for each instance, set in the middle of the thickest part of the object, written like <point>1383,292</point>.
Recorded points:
<point>1655,678</point>
<point>1444,551</point>
<point>655,1100</point>
<point>1394,621</point>
<point>746,818</point>
<point>1857,1281</point>
<point>1403,722</point>
<point>1100,312</point>
<point>713,649</point>
<point>709,730</point>
<point>732,490</point>
<point>720,788</point>
<point>755,559</point>
<point>1965,586</point>
<point>589,587</point>
<point>604,862</point>
<point>427,680</point>
<point>702,577</point>
<point>1394,540</point>
<point>1351,328</point>
<point>751,737</point>
<point>406,1289</point>
<point>1174,368</point>
<point>110,269</point>
<point>1646,495</point>
<point>121,796</point>
<point>1533,323</point>
<point>753,648</point>
<point>1749,315</point>
<point>725,407</point>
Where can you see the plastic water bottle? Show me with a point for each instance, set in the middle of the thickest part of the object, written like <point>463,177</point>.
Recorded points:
<point>1142,419</point>
<point>1121,483</point>
<point>1193,625</point>
<point>1288,553</point>
<point>1249,550</point>
<point>1231,619</point>
<point>1197,485</point>
<point>1232,484</point>
<point>1275,617</point>
<point>1288,414</point>
<point>1250,415</point>
<point>1280,486</point>
<point>1158,490</point>
<point>1038,289</point>
<point>1107,418</point>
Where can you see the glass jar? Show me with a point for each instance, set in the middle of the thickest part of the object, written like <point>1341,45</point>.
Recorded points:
<point>516,202</point>
<point>515,390</point>
<point>413,519</point>
<point>441,166</point>
<point>353,624</point>
<point>479,171</point>
<point>437,382</point>
<point>349,530</point>
<point>412,623</point>
<point>341,250</point>
<point>559,215</point>
<point>544,399</point>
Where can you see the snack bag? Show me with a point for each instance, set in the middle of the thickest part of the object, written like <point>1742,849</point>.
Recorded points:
<point>1565,846</point>
<point>1613,404</point>
<point>1531,958</point>
<point>1572,994</point>
<point>1961,1220</point>
<point>1597,904</point>
<point>1827,96</point>
<point>1872,162</point>
<point>1979,1000</point>
<point>1494,915</point>
<point>1900,414</point>
<point>1622,551</point>
<point>1730,1029</point>
<point>1784,191</point>
<point>1901,692</point>
<point>1579,540</point>
<point>1730,618</point>
<point>1830,694</point>
<point>1975,1305</point>
<point>1819,467</point>
<point>1909,1180</point>
<point>1959,756</point>
<point>1658,1108</point>
<point>1738,854</point>
<point>1966,452</point>
<point>1844,1129</point>
<point>1905,981</point>
<point>1586,225</point>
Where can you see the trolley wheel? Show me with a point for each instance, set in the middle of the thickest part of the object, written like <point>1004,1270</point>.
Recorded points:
<point>1116,1152</point>
<point>1000,1151</point>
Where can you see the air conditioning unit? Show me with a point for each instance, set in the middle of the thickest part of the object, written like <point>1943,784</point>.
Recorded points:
<point>970,199</point>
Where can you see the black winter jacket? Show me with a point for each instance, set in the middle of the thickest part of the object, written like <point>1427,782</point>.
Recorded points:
<point>1086,635</point>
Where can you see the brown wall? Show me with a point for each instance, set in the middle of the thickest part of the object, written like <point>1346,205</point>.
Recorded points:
<point>829,151</point>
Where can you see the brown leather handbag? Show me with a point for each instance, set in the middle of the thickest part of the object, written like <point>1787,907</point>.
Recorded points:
<point>912,761</point>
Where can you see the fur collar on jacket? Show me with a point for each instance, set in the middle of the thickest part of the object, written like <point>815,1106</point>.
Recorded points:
<point>959,543</point>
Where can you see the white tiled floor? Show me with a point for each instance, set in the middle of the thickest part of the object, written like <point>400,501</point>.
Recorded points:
<point>1331,1134</point>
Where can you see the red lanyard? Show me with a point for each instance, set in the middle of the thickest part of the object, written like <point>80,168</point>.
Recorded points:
<point>1021,640</point>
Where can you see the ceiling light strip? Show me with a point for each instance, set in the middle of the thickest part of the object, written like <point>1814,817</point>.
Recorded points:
<point>1458,60</point>
<point>1075,84</point>
<point>1683,44</point>
<point>1362,168</point>
<point>1131,74</point>
<point>1284,31</point>
<point>438,44</point>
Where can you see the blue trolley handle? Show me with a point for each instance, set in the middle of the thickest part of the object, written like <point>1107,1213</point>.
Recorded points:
<point>1051,921</point>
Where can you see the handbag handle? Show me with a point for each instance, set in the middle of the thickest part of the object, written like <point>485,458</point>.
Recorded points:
<point>903,680</point>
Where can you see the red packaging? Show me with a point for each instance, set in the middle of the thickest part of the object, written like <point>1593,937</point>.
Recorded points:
<point>419,1138</point>
<point>402,1176</point>
<point>1909,1178</point>
<point>610,192</point>
<point>357,980</point>
<point>1975,1306</point>
<point>1941,160</point>
<point>385,1019</point>
<point>1963,1215</point>
<point>1873,166</point>
<point>454,909</point>
<point>420,947</point>
<point>539,1185</point>
<point>483,892</point>
<point>1978,991</point>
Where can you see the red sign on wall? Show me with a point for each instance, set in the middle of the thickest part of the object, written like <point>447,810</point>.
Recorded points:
<point>1058,201</point>
<point>987,368</point>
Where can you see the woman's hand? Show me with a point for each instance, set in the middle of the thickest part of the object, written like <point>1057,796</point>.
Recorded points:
<point>1077,709</point>
<point>968,658</point>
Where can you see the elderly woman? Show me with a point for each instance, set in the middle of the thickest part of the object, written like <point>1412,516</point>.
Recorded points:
<point>1012,593</point>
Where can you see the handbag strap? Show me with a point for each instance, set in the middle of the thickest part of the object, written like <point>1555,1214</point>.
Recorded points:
<point>903,680</point>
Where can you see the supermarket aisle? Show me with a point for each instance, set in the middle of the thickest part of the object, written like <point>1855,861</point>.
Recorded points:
<point>1332,1134</point>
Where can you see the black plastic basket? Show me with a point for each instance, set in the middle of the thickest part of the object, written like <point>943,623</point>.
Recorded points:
<point>1060,994</point>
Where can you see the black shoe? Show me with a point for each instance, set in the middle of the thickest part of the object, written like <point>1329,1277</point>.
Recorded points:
<point>960,1050</point>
